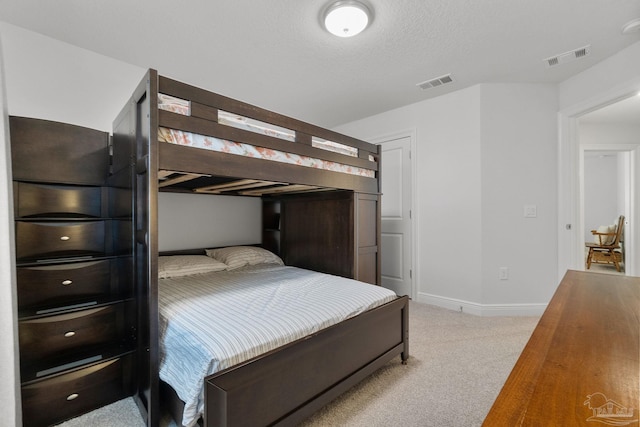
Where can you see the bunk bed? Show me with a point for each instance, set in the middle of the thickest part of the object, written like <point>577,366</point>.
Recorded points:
<point>175,137</point>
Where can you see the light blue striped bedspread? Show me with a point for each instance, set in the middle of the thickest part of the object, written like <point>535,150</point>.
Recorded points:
<point>209,322</point>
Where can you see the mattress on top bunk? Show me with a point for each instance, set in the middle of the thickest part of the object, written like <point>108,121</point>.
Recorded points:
<point>212,321</point>
<point>174,136</point>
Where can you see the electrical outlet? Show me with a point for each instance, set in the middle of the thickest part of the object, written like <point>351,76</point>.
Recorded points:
<point>503,273</point>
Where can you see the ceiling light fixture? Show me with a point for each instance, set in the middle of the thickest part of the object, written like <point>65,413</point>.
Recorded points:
<point>346,18</point>
<point>631,26</point>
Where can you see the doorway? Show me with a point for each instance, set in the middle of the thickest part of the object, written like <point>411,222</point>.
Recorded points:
<point>611,125</point>
<point>605,194</point>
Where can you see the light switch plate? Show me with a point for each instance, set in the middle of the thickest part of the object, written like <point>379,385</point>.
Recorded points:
<point>530,211</point>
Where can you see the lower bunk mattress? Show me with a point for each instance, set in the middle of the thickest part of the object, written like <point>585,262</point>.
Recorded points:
<point>209,322</point>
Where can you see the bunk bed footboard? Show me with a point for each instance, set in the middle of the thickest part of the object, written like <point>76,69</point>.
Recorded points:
<point>285,386</point>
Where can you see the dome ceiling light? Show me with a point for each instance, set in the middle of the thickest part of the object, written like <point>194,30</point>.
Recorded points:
<point>346,18</point>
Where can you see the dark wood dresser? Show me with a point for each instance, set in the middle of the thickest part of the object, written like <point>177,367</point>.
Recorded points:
<point>76,310</point>
<point>581,366</point>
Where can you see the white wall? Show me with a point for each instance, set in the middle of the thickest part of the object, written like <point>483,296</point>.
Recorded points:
<point>608,133</point>
<point>519,157</point>
<point>51,80</point>
<point>482,153</point>
<point>9,377</point>
<point>448,205</point>
<point>210,221</point>
<point>601,194</point>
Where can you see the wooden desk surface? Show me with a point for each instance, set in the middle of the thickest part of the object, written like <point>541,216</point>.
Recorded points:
<point>581,366</point>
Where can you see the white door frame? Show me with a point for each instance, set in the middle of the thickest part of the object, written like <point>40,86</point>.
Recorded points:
<point>570,239</point>
<point>412,135</point>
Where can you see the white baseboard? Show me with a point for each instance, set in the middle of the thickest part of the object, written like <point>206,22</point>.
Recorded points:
<point>482,309</point>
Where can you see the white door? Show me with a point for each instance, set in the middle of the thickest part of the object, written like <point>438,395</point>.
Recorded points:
<point>396,216</point>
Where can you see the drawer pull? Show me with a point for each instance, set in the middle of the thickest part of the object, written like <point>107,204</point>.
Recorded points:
<point>67,282</point>
<point>69,334</point>
<point>72,396</point>
<point>65,238</point>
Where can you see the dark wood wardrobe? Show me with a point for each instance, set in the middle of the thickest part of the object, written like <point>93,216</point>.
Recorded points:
<point>333,232</point>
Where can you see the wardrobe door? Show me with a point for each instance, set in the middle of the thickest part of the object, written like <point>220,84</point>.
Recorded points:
<point>317,232</point>
<point>337,232</point>
<point>367,238</point>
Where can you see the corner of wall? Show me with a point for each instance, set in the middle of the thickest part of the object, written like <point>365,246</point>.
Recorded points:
<point>9,372</point>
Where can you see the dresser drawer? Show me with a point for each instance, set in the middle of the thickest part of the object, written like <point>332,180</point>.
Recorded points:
<point>68,395</point>
<point>37,240</point>
<point>48,285</point>
<point>64,334</point>
<point>48,151</point>
<point>33,200</point>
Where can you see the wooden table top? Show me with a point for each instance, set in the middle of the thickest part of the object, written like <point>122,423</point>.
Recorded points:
<point>581,366</point>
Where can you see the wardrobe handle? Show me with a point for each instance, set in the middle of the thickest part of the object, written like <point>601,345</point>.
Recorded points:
<point>65,238</point>
<point>67,282</point>
<point>69,334</point>
<point>72,396</point>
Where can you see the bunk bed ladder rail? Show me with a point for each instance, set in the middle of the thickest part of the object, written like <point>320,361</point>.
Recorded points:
<point>135,148</point>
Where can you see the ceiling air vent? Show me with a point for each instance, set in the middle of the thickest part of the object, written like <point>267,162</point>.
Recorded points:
<point>438,81</point>
<point>572,55</point>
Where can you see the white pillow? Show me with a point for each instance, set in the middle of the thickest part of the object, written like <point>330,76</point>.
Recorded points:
<point>186,265</point>
<point>605,240</point>
<point>613,228</point>
<point>239,256</point>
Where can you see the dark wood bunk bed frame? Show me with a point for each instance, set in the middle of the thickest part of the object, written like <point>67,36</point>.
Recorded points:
<point>286,385</point>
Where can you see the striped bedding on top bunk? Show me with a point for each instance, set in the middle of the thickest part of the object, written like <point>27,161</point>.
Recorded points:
<point>211,321</point>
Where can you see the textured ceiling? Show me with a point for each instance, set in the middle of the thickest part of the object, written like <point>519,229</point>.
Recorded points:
<point>276,55</point>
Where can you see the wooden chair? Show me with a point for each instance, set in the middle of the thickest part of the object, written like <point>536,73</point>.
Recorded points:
<point>607,250</point>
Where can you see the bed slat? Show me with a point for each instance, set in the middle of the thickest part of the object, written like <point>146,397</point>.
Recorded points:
<point>236,185</point>
<point>163,174</point>
<point>178,179</point>
<point>294,188</point>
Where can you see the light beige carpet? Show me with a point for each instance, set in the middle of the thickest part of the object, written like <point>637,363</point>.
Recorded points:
<point>457,367</point>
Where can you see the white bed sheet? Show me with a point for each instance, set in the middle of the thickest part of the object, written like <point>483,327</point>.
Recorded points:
<point>209,322</point>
